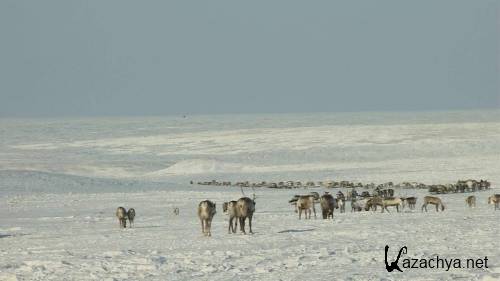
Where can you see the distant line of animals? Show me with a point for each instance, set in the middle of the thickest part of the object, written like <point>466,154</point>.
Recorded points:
<point>328,203</point>
<point>244,208</point>
<point>469,185</point>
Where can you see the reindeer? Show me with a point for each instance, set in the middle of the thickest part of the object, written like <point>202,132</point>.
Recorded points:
<point>495,199</point>
<point>373,202</point>
<point>231,209</point>
<point>206,212</point>
<point>121,214</point>
<point>328,204</point>
<point>412,201</point>
<point>131,216</point>
<point>306,202</point>
<point>341,201</point>
<point>393,201</point>
<point>434,201</point>
<point>358,204</point>
<point>176,211</point>
<point>315,195</point>
<point>245,208</point>
<point>471,201</point>
<point>390,192</point>
<point>341,204</point>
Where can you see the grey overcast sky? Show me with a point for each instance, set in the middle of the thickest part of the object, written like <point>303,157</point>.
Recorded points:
<point>93,58</point>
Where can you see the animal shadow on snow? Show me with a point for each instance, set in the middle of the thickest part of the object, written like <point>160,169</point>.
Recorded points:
<point>12,235</point>
<point>297,230</point>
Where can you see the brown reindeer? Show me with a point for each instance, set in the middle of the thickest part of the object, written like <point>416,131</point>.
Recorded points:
<point>495,199</point>
<point>327,203</point>
<point>231,209</point>
<point>305,203</point>
<point>412,201</point>
<point>471,201</point>
<point>434,201</point>
<point>206,212</point>
<point>131,216</point>
<point>121,214</point>
<point>245,209</point>
<point>373,203</point>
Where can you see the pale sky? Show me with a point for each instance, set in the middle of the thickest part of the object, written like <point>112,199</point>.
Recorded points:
<point>94,58</point>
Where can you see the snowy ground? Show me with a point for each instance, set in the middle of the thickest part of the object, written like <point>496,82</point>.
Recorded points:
<point>62,180</point>
<point>76,237</point>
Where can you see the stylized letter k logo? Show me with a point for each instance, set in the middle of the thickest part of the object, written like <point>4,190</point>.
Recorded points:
<point>394,264</point>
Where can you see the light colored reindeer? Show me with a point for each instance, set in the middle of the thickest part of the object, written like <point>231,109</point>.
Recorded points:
<point>121,214</point>
<point>231,209</point>
<point>206,212</point>
<point>306,203</point>
<point>434,201</point>
<point>392,202</point>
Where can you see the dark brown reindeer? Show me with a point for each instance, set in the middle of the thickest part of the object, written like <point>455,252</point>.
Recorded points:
<point>131,216</point>
<point>328,205</point>
<point>411,201</point>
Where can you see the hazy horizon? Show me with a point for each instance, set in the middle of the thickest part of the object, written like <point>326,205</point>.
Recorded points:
<point>124,58</point>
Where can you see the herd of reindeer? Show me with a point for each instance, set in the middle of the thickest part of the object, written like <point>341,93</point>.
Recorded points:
<point>462,186</point>
<point>242,209</point>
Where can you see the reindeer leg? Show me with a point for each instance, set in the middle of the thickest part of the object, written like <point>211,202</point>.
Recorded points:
<point>250,224</point>
<point>314,209</point>
<point>242,225</point>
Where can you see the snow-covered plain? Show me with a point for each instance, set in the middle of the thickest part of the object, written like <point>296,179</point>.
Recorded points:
<point>61,181</point>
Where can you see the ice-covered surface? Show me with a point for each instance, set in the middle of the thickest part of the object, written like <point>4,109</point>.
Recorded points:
<point>61,181</point>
